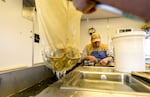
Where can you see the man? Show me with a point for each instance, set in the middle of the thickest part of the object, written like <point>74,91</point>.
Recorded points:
<point>96,52</point>
<point>134,7</point>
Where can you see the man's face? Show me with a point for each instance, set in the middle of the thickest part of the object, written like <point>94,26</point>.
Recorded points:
<point>96,44</point>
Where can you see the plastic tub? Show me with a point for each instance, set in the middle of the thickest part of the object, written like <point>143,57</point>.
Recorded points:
<point>129,51</point>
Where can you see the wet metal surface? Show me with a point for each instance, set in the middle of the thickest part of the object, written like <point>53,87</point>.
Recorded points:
<point>37,88</point>
<point>97,69</point>
<point>12,81</point>
<point>112,81</point>
<point>79,81</point>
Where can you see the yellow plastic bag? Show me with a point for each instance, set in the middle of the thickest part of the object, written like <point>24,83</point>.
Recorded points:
<point>59,22</point>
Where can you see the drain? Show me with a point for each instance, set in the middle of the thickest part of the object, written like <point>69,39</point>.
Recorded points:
<point>103,77</point>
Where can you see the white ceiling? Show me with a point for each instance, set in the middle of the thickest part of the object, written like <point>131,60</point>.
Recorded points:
<point>100,14</point>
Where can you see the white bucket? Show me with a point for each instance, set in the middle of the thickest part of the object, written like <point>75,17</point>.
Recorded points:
<point>129,51</point>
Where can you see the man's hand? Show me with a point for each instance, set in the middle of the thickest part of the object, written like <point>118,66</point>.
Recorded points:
<point>91,58</point>
<point>85,6</point>
<point>106,60</point>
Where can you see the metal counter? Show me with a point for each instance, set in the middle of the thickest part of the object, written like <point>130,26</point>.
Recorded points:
<point>55,90</point>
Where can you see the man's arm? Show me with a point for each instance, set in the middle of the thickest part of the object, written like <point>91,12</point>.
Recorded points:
<point>85,56</point>
<point>109,55</point>
<point>136,7</point>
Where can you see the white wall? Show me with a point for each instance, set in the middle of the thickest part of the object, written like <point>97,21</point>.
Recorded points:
<point>38,47</point>
<point>15,36</point>
<point>107,28</point>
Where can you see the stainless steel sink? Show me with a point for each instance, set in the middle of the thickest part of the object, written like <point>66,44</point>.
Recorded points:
<point>97,69</point>
<point>102,81</point>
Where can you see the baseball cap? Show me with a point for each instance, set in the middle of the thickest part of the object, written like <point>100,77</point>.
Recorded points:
<point>95,37</point>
